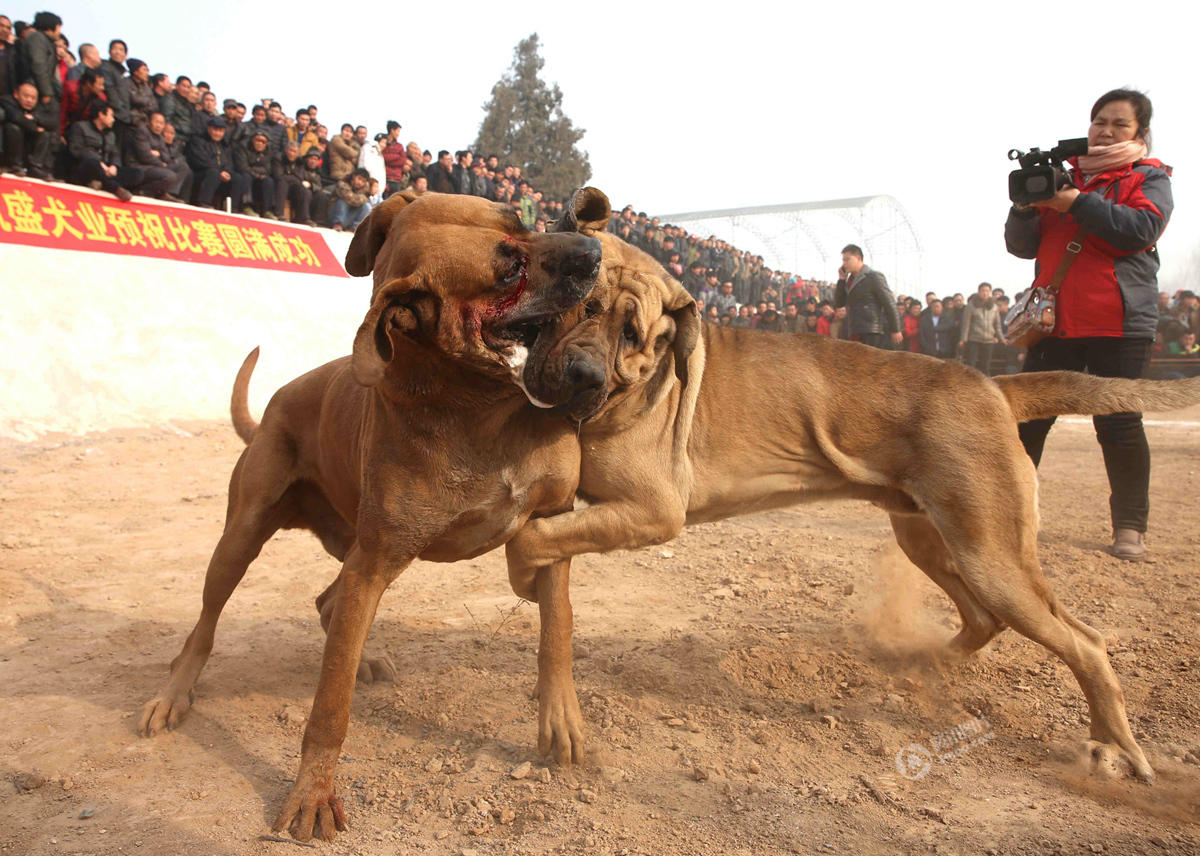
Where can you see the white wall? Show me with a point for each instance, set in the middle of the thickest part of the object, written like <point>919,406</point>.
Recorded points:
<point>94,341</point>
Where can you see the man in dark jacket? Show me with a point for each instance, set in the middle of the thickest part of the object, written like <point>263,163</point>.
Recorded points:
<point>8,57</point>
<point>26,140</point>
<point>254,161</point>
<point>869,302</point>
<point>179,111</point>
<point>293,185</point>
<point>43,61</point>
<point>147,150</point>
<point>441,174</point>
<point>92,147</point>
<point>141,96</point>
<point>937,332</point>
<point>212,163</point>
<point>322,192</point>
<point>116,87</point>
<point>462,173</point>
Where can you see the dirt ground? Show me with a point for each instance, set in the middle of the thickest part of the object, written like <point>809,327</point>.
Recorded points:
<point>749,688</point>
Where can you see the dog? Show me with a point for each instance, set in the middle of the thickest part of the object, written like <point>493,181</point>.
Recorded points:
<point>421,443</point>
<point>678,437</point>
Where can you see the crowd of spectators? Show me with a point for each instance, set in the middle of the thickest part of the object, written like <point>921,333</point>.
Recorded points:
<point>734,288</point>
<point>112,124</point>
<point>118,125</point>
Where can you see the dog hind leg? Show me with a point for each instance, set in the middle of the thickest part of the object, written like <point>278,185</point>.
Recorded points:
<point>923,544</point>
<point>371,669</point>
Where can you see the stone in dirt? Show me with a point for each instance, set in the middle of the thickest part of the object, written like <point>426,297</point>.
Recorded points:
<point>28,781</point>
<point>521,770</point>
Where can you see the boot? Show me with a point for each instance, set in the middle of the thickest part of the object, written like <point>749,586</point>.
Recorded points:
<point>1128,544</point>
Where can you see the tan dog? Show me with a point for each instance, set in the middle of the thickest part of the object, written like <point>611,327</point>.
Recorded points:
<point>684,439</point>
<point>420,444</point>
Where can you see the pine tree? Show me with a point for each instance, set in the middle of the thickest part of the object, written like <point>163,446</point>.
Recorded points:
<point>524,125</point>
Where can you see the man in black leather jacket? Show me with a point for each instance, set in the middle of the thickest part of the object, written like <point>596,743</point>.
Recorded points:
<point>868,301</point>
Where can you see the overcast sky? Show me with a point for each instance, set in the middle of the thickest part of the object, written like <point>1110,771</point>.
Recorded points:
<point>702,105</point>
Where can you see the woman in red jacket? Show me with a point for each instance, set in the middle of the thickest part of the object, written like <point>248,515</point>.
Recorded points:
<point>1107,307</point>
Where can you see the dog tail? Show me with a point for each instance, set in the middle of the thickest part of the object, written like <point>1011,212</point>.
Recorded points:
<point>239,404</point>
<point>1040,395</point>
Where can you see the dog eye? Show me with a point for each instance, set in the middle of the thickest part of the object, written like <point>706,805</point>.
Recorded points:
<point>514,273</point>
<point>592,308</point>
<point>630,333</point>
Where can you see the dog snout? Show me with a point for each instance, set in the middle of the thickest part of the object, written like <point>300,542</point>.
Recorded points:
<point>581,260</point>
<point>583,375</point>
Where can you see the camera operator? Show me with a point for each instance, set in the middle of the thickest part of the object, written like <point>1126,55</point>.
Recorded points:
<point>1106,308</point>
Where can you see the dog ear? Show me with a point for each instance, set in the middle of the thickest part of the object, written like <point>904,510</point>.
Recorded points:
<point>370,234</point>
<point>587,211</point>
<point>682,307</point>
<point>398,306</point>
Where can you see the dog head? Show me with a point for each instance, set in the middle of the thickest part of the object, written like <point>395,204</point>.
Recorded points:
<point>634,333</point>
<point>463,276</point>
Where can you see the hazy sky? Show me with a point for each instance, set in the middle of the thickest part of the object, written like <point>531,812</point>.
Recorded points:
<point>702,105</point>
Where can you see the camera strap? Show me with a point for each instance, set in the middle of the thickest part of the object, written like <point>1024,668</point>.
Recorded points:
<point>1074,247</point>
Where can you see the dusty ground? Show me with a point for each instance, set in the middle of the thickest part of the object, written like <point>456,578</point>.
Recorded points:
<point>747,688</point>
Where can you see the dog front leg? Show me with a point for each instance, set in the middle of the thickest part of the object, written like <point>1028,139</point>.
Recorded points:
<point>560,724</point>
<point>596,529</point>
<point>313,800</point>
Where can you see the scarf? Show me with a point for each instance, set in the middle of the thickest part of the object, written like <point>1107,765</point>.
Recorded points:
<point>1101,159</point>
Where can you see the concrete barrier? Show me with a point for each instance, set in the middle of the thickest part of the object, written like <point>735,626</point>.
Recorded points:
<point>101,340</point>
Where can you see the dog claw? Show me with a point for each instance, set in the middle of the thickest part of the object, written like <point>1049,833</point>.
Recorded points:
<point>560,724</point>
<point>163,713</point>
<point>374,670</point>
<point>1113,762</point>
<point>311,807</point>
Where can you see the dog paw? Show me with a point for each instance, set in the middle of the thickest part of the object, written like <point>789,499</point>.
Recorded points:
<point>1112,762</point>
<point>164,712</point>
<point>374,670</point>
<point>312,804</point>
<point>560,724</point>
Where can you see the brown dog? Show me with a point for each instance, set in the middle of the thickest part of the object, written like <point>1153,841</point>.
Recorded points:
<point>420,444</point>
<point>824,419</point>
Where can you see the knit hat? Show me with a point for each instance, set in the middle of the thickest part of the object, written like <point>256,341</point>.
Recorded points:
<point>134,64</point>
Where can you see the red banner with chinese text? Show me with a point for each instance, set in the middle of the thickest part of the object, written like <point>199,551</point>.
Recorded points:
<point>68,218</point>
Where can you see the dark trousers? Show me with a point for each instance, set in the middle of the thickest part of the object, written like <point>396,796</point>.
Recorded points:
<point>321,200</point>
<point>23,149</point>
<point>875,340</point>
<point>1121,435</point>
<point>290,188</point>
<point>90,169</point>
<point>262,193</point>
<point>156,180</point>
<point>211,184</point>
<point>978,355</point>
<point>182,184</point>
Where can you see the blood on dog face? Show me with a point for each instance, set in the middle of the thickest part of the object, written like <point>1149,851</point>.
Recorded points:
<point>481,286</point>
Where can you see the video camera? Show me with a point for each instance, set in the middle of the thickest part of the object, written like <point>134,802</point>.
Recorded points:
<point>1041,174</point>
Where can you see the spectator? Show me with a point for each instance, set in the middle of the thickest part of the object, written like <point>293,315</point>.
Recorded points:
<point>161,86</point>
<point>208,107</point>
<point>370,158</point>
<point>302,133</point>
<point>8,58</point>
<point>462,173</point>
<point>793,321</point>
<point>78,95</point>
<point>724,300</point>
<point>89,57</point>
<point>351,204</point>
<point>769,320</point>
<point>441,175</point>
<point>147,150</point>
<point>255,162</point>
<point>825,313</point>
<point>42,57</point>
<point>395,159</point>
<point>938,333</point>
<point>177,109</point>
<point>343,153</point>
<point>276,131</point>
<point>116,87</point>
<point>212,164</point>
<point>292,185</point>
<point>26,138</point>
<point>416,163</point>
<point>142,101</point>
<point>911,327</point>
<point>1184,346</point>
<point>743,317</point>
<point>321,195</point>
<point>96,161</point>
<point>375,195</point>
<point>480,185</point>
<point>868,301</point>
<point>420,185</point>
<point>237,133</point>
<point>1188,310</point>
<point>980,330</point>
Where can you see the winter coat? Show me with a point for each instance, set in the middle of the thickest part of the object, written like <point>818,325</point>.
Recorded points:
<point>869,303</point>
<point>116,87</point>
<point>180,113</point>
<point>440,181</point>
<point>43,64</point>
<point>343,156</point>
<point>395,157</point>
<point>911,329</point>
<point>142,102</point>
<point>1111,288</point>
<point>141,144</point>
<point>353,198</point>
<point>981,321</point>
<point>205,153</point>
<point>85,141</point>
<point>254,164</point>
<point>940,340</point>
